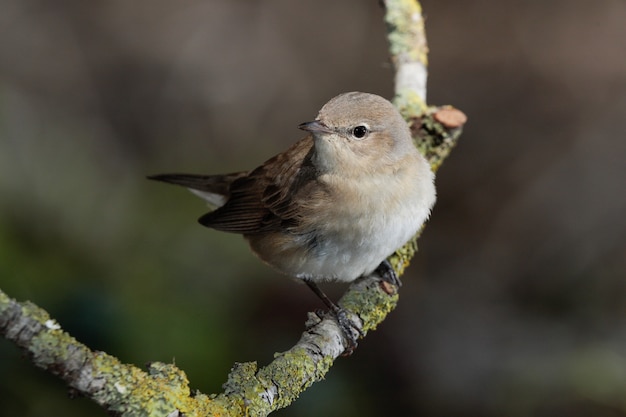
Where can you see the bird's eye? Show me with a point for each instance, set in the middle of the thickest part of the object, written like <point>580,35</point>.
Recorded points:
<point>360,131</point>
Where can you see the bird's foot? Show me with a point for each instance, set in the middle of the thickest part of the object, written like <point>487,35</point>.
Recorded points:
<point>348,327</point>
<point>386,272</point>
<point>350,330</point>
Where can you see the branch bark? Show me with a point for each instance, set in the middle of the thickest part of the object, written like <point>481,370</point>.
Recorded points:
<point>163,389</point>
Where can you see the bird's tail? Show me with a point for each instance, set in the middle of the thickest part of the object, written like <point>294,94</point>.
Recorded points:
<point>215,189</point>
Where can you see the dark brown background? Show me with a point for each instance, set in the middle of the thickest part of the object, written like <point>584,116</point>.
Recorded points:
<point>516,303</point>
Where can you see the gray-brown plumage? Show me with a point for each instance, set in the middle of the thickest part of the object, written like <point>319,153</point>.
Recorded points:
<point>336,203</point>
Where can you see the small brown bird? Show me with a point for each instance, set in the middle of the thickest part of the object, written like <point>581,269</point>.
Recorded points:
<point>335,204</point>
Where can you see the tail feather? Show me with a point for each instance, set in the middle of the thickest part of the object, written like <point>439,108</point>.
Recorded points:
<point>215,189</point>
<point>197,182</point>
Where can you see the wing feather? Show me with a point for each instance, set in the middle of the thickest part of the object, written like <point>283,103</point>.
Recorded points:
<point>267,198</point>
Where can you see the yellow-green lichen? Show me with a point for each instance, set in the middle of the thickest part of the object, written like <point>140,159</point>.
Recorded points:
<point>50,347</point>
<point>409,103</point>
<point>132,391</point>
<point>170,375</point>
<point>285,378</point>
<point>274,386</point>
<point>240,374</point>
<point>34,312</point>
<point>371,303</point>
<point>434,140</point>
<point>401,259</point>
<point>407,39</point>
<point>4,301</point>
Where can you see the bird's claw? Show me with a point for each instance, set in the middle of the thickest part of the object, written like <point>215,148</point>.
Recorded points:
<point>386,272</point>
<point>350,330</point>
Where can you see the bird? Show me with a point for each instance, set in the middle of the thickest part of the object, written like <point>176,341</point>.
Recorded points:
<point>333,206</point>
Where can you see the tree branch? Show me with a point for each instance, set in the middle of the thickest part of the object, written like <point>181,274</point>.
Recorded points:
<point>409,54</point>
<point>164,389</point>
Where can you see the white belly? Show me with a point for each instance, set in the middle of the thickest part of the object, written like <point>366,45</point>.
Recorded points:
<point>362,230</point>
<point>347,250</point>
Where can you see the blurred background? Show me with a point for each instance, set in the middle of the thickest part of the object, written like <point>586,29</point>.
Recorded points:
<point>515,304</point>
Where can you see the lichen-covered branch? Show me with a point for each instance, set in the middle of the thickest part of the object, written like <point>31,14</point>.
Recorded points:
<point>163,389</point>
<point>435,130</point>
<point>409,54</point>
<point>120,388</point>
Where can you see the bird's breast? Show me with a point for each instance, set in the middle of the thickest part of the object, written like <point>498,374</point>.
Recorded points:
<point>348,229</point>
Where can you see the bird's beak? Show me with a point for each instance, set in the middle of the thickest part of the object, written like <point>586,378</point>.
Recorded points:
<point>315,127</point>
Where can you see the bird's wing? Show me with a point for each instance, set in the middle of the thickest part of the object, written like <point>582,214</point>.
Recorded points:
<point>267,198</point>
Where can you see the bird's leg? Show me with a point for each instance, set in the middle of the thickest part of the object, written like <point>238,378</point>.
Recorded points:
<point>388,274</point>
<point>345,324</point>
